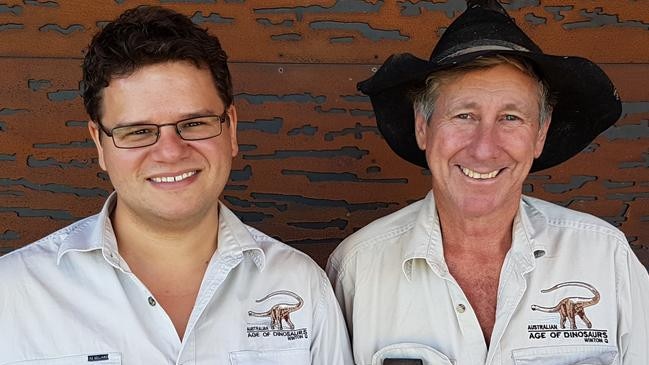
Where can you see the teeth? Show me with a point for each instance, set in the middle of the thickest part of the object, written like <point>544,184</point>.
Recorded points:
<point>168,179</point>
<point>476,175</point>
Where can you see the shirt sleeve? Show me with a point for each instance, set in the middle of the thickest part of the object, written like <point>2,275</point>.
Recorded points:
<point>633,311</point>
<point>330,344</point>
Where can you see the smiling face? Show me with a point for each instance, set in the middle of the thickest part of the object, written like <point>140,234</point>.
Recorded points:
<point>172,182</point>
<point>481,140</point>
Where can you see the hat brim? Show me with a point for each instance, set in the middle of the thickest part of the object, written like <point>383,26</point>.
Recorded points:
<point>587,102</point>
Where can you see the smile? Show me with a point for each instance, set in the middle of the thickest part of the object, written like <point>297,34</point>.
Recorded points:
<point>476,175</point>
<point>169,179</point>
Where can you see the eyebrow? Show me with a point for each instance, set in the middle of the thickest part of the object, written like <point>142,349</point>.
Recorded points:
<point>194,114</point>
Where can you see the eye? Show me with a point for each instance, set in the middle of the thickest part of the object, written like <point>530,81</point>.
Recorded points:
<point>193,123</point>
<point>463,116</point>
<point>141,131</point>
<point>511,118</point>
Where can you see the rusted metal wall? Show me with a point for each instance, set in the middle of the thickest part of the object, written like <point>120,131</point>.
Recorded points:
<point>312,167</point>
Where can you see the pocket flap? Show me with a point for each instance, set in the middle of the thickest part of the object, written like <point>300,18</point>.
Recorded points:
<point>427,354</point>
<point>271,357</point>
<point>565,355</point>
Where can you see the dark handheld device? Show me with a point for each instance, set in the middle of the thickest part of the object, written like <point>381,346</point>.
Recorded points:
<point>402,362</point>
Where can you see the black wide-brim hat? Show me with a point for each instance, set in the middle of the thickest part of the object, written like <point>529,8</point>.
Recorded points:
<point>587,103</point>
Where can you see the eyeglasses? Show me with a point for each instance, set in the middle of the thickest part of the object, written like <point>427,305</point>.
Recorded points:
<point>143,135</point>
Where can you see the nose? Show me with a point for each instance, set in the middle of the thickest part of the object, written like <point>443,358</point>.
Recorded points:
<point>170,146</point>
<point>485,143</point>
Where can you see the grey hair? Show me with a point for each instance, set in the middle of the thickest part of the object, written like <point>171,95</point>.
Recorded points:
<point>424,99</point>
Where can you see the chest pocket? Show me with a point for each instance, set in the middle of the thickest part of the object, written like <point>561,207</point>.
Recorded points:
<point>566,355</point>
<point>427,354</point>
<point>273,357</point>
<point>102,358</point>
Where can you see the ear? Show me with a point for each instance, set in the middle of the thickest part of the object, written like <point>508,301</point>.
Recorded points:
<point>95,133</point>
<point>421,128</point>
<point>540,138</point>
<point>232,113</point>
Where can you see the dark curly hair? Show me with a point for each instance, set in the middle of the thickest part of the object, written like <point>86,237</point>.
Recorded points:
<point>144,36</point>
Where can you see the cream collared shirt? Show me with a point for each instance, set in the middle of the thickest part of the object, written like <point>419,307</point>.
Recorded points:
<point>400,301</point>
<point>70,299</point>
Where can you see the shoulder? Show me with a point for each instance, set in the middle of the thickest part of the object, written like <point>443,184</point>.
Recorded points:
<point>44,253</point>
<point>279,255</point>
<point>380,234</point>
<point>586,226</point>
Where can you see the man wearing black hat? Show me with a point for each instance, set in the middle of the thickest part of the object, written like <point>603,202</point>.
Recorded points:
<point>477,273</point>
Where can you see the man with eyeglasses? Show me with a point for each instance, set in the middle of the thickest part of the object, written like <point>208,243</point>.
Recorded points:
<point>165,273</point>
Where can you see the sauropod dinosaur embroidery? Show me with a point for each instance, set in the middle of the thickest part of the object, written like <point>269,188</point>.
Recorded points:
<point>280,311</point>
<point>571,307</point>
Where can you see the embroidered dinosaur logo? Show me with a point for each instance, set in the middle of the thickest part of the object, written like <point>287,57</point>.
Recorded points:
<point>280,311</point>
<point>571,307</point>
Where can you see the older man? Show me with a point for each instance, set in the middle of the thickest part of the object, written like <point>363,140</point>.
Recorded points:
<point>165,273</point>
<point>477,273</point>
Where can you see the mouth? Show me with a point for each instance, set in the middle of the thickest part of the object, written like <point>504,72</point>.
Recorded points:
<point>478,175</point>
<point>171,179</point>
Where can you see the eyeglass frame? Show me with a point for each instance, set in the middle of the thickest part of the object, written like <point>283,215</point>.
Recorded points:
<point>222,119</point>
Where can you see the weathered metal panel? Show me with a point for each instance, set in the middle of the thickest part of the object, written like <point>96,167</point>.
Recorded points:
<point>312,168</point>
<point>334,31</point>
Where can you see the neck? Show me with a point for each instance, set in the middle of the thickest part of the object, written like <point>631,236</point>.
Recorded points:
<point>164,244</point>
<point>484,235</point>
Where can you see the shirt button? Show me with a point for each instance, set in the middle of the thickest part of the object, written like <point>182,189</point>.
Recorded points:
<point>151,301</point>
<point>460,308</point>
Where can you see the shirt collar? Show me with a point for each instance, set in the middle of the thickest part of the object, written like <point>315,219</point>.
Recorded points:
<point>96,233</point>
<point>236,241</point>
<point>424,241</point>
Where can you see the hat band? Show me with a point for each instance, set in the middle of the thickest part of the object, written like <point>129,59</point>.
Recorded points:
<point>503,46</point>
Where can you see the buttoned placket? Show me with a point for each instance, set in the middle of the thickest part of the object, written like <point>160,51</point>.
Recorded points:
<point>467,320</point>
<point>518,263</point>
<point>218,269</point>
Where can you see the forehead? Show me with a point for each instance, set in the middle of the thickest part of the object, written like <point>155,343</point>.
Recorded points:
<point>501,84</point>
<point>159,92</point>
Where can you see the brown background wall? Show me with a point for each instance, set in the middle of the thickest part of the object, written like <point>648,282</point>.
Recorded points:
<point>312,167</point>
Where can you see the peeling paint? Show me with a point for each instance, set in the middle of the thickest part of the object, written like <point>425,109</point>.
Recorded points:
<point>364,29</point>
<point>352,152</point>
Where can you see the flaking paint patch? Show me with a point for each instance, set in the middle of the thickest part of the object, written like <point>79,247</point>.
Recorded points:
<point>307,130</point>
<point>35,85</point>
<point>63,95</point>
<point>62,30</point>
<point>37,213</point>
<point>291,37</point>
<point>215,18</point>
<point>55,188</point>
<point>351,152</point>
<point>318,177</point>
<point>272,126</point>
<point>364,29</point>
<point>575,182</point>
<point>597,19</point>
<point>88,143</point>
<point>628,131</point>
<point>241,175</point>
<point>357,131</point>
<point>340,6</point>
<point>557,10</point>
<point>315,202</point>
<point>257,99</point>
<point>13,10</point>
<point>11,26</point>
<point>341,224</point>
<point>45,4</point>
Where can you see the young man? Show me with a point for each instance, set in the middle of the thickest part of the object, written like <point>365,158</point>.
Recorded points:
<point>165,273</point>
<point>477,273</point>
